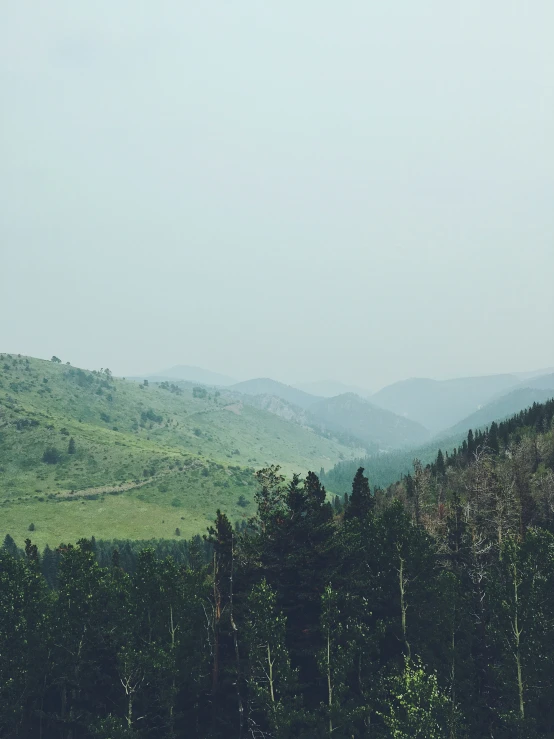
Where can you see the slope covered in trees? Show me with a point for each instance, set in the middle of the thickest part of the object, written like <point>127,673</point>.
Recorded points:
<point>424,610</point>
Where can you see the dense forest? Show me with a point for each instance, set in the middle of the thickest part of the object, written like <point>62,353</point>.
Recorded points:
<point>424,609</point>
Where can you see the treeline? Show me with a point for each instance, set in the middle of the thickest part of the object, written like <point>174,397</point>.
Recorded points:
<point>193,553</point>
<point>424,610</point>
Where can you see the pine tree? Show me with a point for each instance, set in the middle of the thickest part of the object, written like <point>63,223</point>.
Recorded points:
<point>361,501</point>
<point>440,465</point>
<point>10,546</point>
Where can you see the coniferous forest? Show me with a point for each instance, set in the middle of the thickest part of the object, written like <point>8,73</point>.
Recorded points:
<point>422,610</point>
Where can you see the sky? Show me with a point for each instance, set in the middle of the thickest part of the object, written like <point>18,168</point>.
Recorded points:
<point>305,190</point>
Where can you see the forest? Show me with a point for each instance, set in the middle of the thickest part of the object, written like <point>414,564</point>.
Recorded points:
<point>424,609</point>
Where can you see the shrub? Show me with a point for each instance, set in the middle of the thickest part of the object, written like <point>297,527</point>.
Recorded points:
<point>177,532</point>
<point>51,456</point>
<point>150,415</point>
<point>32,527</point>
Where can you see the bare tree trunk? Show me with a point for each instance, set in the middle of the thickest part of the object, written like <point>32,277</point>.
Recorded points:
<point>270,674</point>
<point>172,632</point>
<point>403,605</point>
<point>329,681</point>
<point>217,617</point>
<point>517,637</point>
<point>236,644</point>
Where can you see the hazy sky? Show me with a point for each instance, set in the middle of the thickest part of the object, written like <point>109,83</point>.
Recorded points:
<point>310,189</point>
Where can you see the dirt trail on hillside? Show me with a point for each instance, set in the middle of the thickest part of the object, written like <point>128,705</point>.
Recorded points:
<point>122,487</point>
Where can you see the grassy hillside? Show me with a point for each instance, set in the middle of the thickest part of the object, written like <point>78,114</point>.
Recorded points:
<point>153,457</point>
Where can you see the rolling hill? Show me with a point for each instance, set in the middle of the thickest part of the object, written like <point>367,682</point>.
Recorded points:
<point>266,386</point>
<point>374,426</point>
<point>147,459</point>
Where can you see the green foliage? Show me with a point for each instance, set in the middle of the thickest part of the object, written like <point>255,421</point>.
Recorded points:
<point>299,624</point>
<point>416,705</point>
<point>271,680</point>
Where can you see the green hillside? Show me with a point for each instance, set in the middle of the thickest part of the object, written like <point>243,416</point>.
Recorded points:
<point>144,460</point>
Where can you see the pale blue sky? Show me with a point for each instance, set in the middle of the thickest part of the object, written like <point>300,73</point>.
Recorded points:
<point>305,189</point>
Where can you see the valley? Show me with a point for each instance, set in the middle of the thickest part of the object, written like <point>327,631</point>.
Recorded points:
<point>84,453</point>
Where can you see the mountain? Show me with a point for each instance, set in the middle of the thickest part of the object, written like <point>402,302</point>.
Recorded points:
<point>534,373</point>
<point>266,386</point>
<point>330,388</point>
<point>145,460</point>
<point>190,374</point>
<point>542,382</point>
<point>358,417</point>
<point>439,404</point>
<point>503,407</point>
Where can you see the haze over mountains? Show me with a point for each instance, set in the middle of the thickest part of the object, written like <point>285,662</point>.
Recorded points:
<point>432,406</point>
<point>439,404</point>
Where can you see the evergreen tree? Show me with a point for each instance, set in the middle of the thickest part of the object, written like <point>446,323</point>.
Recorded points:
<point>361,501</point>
<point>10,546</point>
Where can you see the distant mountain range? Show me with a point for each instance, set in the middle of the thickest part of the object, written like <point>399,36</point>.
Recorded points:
<point>439,404</point>
<point>348,415</point>
<point>436,406</point>
<point>453,405</point>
